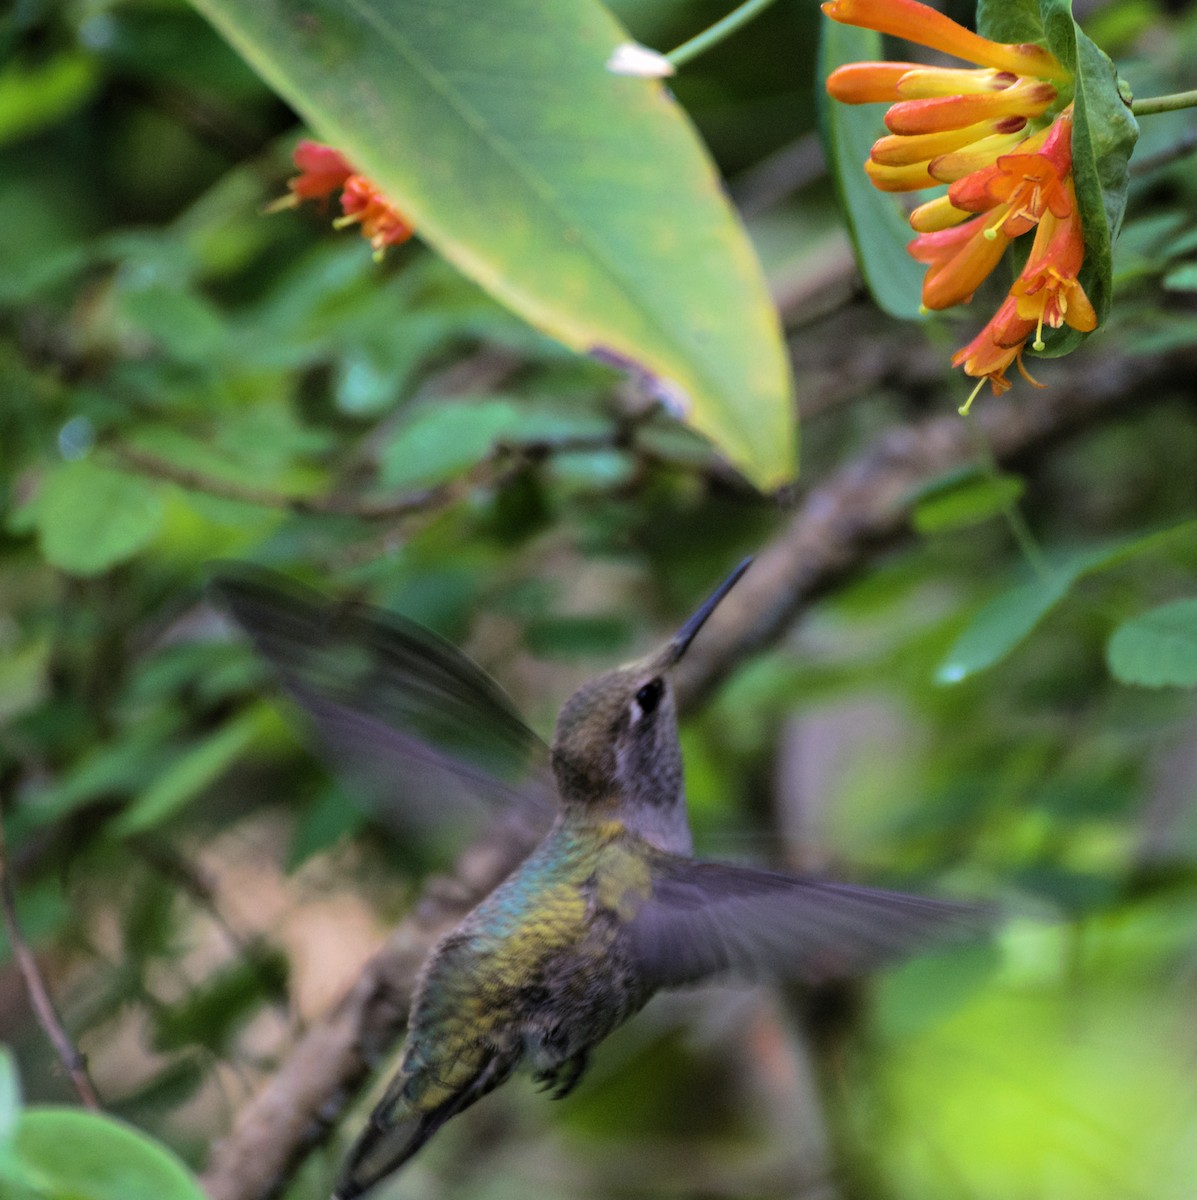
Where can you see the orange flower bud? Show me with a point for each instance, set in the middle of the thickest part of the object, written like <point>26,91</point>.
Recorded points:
<point>867,82</point>
<point>917,23</point>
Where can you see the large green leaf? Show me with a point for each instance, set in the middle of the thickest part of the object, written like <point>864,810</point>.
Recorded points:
<point>68,1154</point>
<point>876,220</point>
<point>581,199</point>
<point>1157,648</point>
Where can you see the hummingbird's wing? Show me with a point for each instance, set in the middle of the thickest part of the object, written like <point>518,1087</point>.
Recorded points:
<point>706,919</point>
<point>427,733</point>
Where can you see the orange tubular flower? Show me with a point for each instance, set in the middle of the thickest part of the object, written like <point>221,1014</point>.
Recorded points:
<point>1048,291</point>
<point>323,171</point>
<point>990,353</point>
<point>1000,137</point>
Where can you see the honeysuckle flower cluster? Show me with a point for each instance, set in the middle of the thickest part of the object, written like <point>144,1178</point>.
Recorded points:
<point>323,171</point>
<point>1000,137</point>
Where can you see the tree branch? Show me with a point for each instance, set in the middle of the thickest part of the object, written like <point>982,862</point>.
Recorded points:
<point>859,509</point>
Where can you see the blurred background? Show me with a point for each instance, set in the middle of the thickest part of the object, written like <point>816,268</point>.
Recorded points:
<point>184,379</point>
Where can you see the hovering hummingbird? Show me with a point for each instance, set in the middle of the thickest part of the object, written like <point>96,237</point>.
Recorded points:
<point>608,908</point>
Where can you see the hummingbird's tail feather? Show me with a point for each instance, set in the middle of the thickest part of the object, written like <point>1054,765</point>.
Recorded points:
<point>390,1139</point>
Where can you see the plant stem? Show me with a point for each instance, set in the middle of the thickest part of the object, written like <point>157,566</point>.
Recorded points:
<point>702,42</point>
<point>1151,104</point>
<point>1015,521</point>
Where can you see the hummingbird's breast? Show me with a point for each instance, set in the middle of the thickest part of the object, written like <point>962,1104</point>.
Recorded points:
<point>540,969</point>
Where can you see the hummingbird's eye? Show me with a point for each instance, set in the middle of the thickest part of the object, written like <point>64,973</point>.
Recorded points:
<point>649,696</point>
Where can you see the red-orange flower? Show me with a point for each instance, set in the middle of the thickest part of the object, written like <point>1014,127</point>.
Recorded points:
<point>1048,291</point>
<point>1000,136</point>
<point>990,353</point>
<point>323,171</point>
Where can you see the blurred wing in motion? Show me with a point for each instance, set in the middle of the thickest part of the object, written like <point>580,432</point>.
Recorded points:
<point>422,728</point>
<point>708,919</point>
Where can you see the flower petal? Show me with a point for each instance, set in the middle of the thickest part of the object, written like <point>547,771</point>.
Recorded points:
<point>937,215</point>
<point>909,178</point>
<point>974,159</point>
<point>1028,98</point>
<point>955,281</point>
<point>898,150</point>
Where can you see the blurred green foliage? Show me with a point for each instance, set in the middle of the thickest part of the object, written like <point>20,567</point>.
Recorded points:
<point>183,378</point>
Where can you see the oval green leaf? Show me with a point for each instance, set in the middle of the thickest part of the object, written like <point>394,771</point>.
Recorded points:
<point>1157,648</point>
<point>968,503</point>
<point>581,199</point>
<point>876,220</point>
<point>90,518</point>
<point>68,1154</point>
<point>1007,619</point>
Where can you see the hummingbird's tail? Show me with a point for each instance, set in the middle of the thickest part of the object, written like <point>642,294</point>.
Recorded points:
<point>396,1130</point>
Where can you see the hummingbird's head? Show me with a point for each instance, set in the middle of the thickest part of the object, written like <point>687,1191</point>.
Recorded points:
<point>616,738</point>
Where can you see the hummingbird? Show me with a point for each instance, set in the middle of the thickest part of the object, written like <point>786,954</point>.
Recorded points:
<point>610,906</point>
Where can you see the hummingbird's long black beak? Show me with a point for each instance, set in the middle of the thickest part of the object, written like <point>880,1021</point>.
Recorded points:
<point>684,636</point>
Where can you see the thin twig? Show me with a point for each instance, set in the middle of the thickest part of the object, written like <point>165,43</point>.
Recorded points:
<point>186,477</point>
<point>73,1060</point>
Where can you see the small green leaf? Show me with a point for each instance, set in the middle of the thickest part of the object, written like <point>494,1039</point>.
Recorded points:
<point>1157,648</point>
<point>968,503</point>
<point>443,439</point>
<point>187,777</point>
<point>184,324</point>
<point>1104,133</point>
<point>34,97</point>
<point>90,518</point>
<point>1001,625</point>
<point>581,199</point>
<point>10,1095</point>
<point>876,220</point>
<point>1007,619</point>
<point>68,1154</point>
<point>1182,279</point>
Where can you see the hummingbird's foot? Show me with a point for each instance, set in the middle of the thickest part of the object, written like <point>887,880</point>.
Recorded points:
<point>563,1078</point>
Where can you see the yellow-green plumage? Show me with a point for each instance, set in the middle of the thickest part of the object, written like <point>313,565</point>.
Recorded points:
<point>534,976</point>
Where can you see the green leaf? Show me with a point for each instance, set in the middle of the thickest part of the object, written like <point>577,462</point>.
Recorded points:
<point>876,220</point>
<point>1182,279</point>
<point>187,777</point>
<point>90,518</point>
<point>967,503</point>
<point>1104,133</point>
<point>184,324</point>
<point>10,1095</point>
<point>1007,619</point>
<point>1010,20</point>
<point>1157,648</point>
<point>444,439</point>
<point>35,97</point>
<point>581,199</point>
<point>1002,624</point>
<point>69,1154</point>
